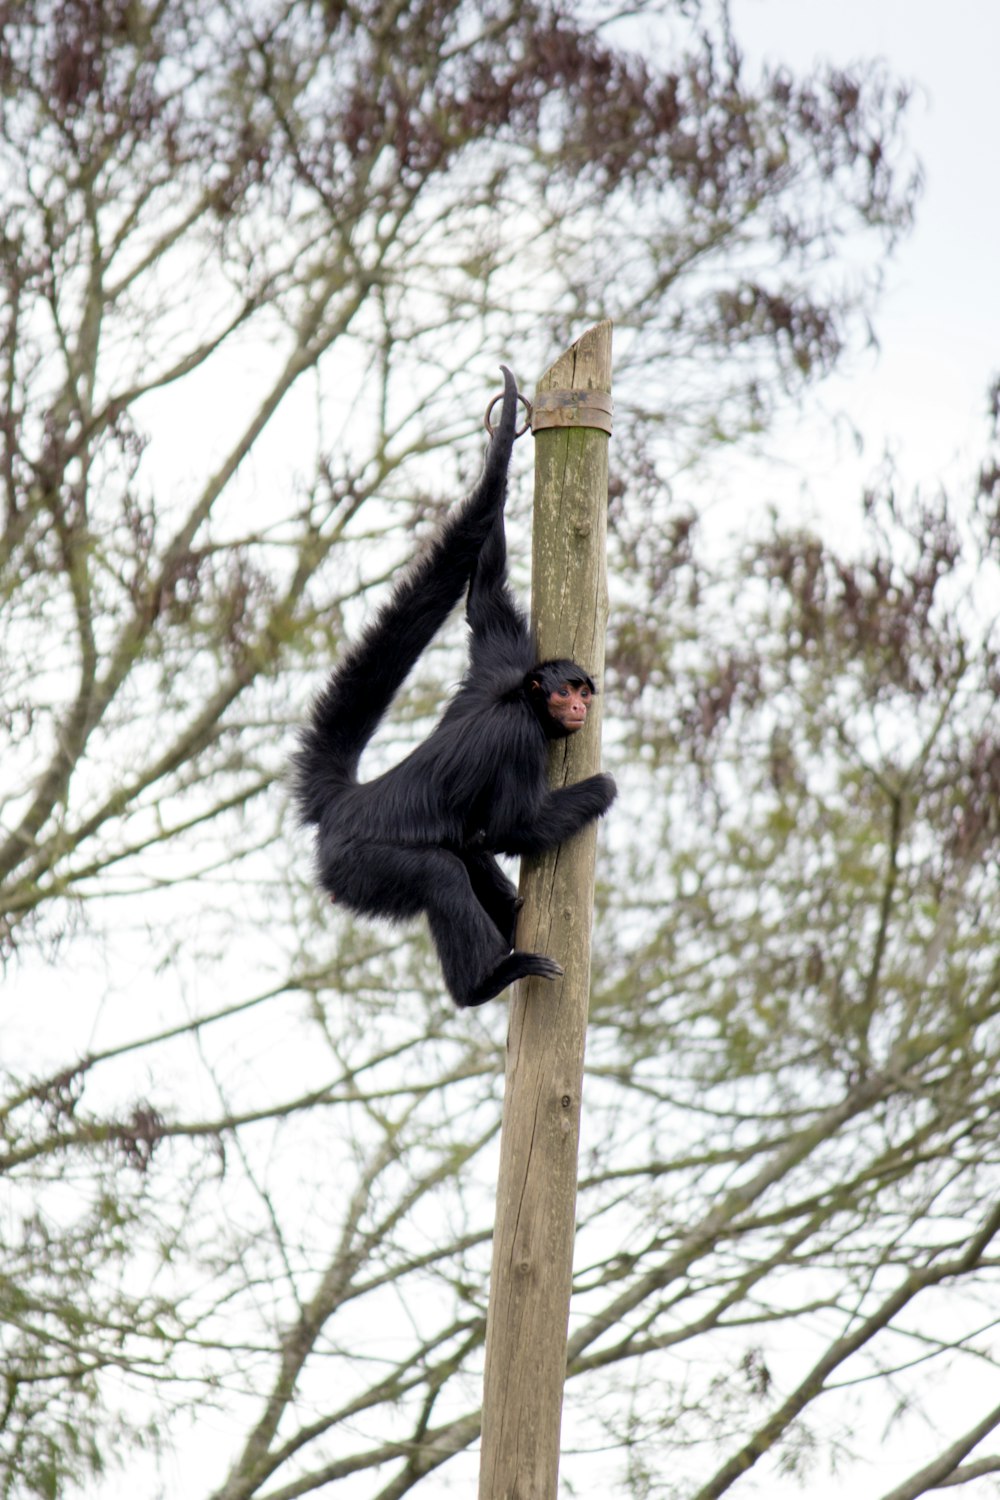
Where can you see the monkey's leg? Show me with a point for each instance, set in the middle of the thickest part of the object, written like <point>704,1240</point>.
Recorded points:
<point>474,956</point>
<point>495,893</point>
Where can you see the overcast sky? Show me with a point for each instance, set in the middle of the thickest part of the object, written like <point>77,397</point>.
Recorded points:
<point>938,325</point>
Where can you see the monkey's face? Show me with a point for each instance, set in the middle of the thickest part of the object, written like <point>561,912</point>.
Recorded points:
<point>560,691</point>
<point>568,705</point>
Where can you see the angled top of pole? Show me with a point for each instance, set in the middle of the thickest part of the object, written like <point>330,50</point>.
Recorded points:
<point>575,390</point>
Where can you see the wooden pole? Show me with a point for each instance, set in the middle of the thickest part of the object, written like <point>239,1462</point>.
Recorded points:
<point>536,1194</point>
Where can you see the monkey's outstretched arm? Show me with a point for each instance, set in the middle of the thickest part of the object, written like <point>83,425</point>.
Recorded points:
<point>498,625</point>
<point>358,693</point>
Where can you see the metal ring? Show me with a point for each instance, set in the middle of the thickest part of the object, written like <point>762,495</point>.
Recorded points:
<point>518,431</point>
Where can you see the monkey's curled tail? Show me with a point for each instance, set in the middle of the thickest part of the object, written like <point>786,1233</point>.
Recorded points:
<point>360,690</point>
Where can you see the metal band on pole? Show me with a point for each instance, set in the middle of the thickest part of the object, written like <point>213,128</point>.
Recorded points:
<point>572,409</point>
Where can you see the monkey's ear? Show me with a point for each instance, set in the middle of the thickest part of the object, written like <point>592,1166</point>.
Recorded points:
<point>535,685</point>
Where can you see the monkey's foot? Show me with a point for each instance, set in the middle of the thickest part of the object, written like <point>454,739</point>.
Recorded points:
<point>515,966</point>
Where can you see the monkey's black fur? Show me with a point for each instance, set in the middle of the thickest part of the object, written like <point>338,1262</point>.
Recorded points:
<point>422,837</point>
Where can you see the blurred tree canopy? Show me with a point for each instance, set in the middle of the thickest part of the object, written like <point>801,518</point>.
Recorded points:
<point>259,262</point>
<point>376,196</point>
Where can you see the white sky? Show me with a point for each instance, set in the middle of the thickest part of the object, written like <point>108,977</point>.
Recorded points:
<point>938,324</point>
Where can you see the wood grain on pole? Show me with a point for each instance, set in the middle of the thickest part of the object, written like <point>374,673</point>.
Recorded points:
<point>536,1194</point>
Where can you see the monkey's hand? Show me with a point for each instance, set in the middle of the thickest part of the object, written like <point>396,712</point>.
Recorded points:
<point>603,790</point>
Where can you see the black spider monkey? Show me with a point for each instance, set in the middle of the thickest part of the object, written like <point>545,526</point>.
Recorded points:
<point>422,837</point>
